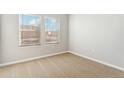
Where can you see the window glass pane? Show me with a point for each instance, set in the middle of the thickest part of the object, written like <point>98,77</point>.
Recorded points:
<point>29,30</point>
<point>52,28</point>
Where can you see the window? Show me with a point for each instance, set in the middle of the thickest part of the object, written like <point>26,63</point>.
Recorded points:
<point>29,30</point>
<point>52,29</point>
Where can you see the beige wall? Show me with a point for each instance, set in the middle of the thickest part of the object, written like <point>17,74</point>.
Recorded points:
<point>10,37</point>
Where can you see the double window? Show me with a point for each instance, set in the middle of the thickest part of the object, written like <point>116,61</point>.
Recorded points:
<point>31,27</point>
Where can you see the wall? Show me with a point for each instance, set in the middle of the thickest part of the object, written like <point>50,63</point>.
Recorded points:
<point>98,36</point>
<point>10,37</point>
<point>0,39</point>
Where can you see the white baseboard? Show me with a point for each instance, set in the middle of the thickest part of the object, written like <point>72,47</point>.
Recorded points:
<point>29,59</point>
<point>98,61</point>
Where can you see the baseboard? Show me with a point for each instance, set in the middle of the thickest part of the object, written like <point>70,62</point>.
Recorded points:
<point>29,59</point>
<point>98,61</point>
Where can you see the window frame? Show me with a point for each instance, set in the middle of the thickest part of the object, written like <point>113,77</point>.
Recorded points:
<point>59,31</point>
<point>20,19</point>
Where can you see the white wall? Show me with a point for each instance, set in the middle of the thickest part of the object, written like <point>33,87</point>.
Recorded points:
<point>10,37</point>
<point>0,38</point>
<point>98,36</point>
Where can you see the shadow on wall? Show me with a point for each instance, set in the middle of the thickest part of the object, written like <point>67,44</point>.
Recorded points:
<point>11,51</point>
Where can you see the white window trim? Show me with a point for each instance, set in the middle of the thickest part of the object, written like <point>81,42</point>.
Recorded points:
<point>19,17</point>
<point>59,32</point>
